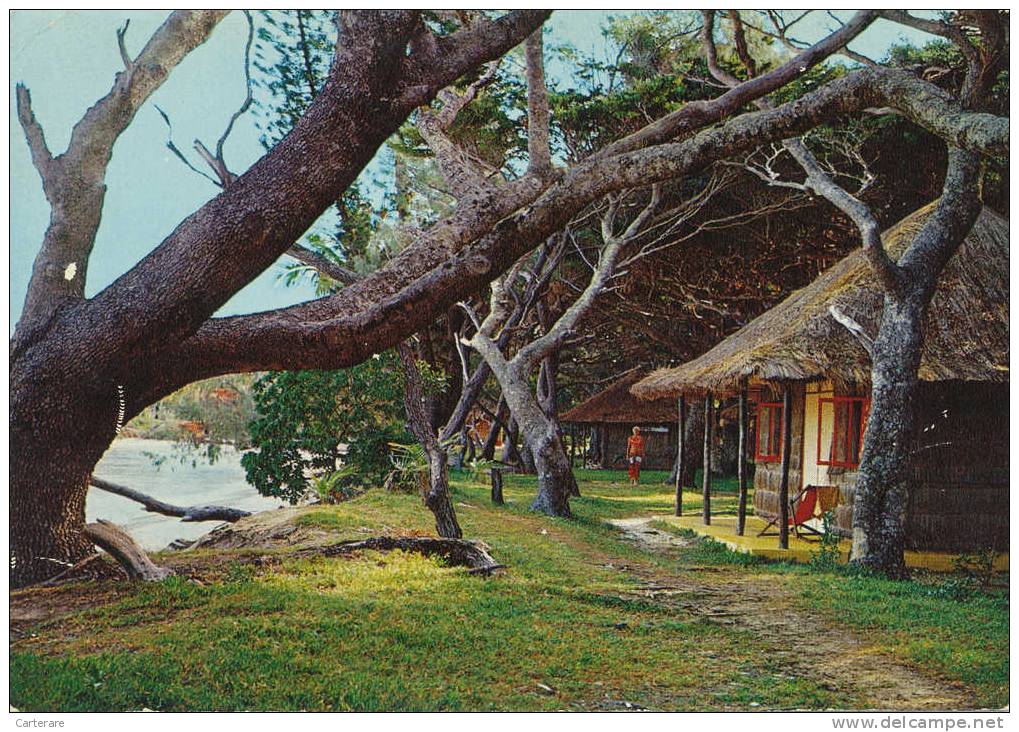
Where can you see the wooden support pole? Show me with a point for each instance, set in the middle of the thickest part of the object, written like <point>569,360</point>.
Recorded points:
<point>709,433</point>
<point>783,490</point>
<point>741,509</point>
<point>496,475</point>
<point>680,447</point>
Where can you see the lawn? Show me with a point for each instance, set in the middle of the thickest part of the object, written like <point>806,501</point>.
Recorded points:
<point>567,626</point>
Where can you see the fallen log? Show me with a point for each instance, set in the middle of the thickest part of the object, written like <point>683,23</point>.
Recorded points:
<point>118,544</point>
<point>455,552</point>
<point>185,513</point>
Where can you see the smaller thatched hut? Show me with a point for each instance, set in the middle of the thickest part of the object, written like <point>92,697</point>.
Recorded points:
<point>959,496</point>
<point>612,413</point>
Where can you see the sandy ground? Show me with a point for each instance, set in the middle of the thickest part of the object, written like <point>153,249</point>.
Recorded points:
<point>808,644</point>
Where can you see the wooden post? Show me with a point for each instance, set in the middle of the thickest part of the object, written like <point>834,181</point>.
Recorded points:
<point>709,419</point>
<point>680,447</point>
<point>496,474</point>
<point>783,490</point>
<point>741,510</point>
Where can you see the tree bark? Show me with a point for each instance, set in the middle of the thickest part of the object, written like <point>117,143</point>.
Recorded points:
<point>117,543</point>
<point>882,487</point>
<point>437,498</point>
<point>501,415</point>
<point>436,495</point>
<point>555,479</point>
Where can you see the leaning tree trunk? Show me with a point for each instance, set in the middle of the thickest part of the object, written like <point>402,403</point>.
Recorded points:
<point>417,406</point>
<point>548,398</point>
<point>500,417</point>
<point>882,485</point>
<point>437,497</point>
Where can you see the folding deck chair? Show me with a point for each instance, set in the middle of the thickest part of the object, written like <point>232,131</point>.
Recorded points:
<point>814,501</point>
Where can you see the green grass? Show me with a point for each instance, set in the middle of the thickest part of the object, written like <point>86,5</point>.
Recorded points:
<point>938,622</point>
<point>965,638</point>
<point>399,632</point>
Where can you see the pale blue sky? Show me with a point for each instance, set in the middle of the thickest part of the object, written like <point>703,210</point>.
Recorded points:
<point>68,59</point>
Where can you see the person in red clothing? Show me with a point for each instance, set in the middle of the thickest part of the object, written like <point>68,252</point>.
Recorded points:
<point>635,455</point>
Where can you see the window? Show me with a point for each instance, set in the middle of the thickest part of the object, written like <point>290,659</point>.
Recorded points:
<point>769,433</point>
<point>840,425</point>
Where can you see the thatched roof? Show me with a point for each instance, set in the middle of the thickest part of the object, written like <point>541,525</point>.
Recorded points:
<point>617,404</point>
<point>966,336</point>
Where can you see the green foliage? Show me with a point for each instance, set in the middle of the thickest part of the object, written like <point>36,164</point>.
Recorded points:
<point>292,52</point>
<point>977,566</point>
<point>370,452</point>
<point>336,486</point>
<point>828,558</point>
<point>305,416</point>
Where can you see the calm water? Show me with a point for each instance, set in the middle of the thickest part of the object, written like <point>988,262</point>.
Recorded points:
<point>182,485</point>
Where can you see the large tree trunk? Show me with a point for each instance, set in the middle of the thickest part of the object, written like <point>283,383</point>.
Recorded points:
<point>693,433</point>
<point>555,478</point>
<point>57,436</point>
<point>527,464</point>
<point>882,494</point>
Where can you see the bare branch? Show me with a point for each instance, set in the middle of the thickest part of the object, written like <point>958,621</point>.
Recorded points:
<point>781,34</point>
<point>75,188</point>
<point>246,104</point>
<point>539,154</point>
<point>118,544</point>
<point>42,159</point>
<point>853,327</point>
<point>185,513</point>
<point>124,55</point>
<point>820,182</point>
<point>172,147</point>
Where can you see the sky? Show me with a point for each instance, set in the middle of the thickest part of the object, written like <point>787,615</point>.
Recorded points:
<point>68,59</point>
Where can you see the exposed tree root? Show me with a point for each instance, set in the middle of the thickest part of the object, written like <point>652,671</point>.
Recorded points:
<point>456,552</point>
<point>119,545</point>
<point>185,513</point>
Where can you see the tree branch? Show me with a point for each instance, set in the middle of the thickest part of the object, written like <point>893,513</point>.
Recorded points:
<point>853,327</point>
<point>185,513</point>
<point>124,55</point>
<point>42,158</point>
<point>697,114</point>
<point>539,153</point>
<point>817,179</point>
<point>323,266</point>
<point>118,544</point>
<point>238,234</point>
<point>74,182</point>
<point>458,257</point>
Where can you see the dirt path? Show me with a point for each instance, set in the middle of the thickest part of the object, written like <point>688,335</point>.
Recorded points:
<point>809,645</point>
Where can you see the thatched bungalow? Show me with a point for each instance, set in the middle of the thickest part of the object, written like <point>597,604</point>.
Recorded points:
<point>612,413</point>
<point>959,500</point>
